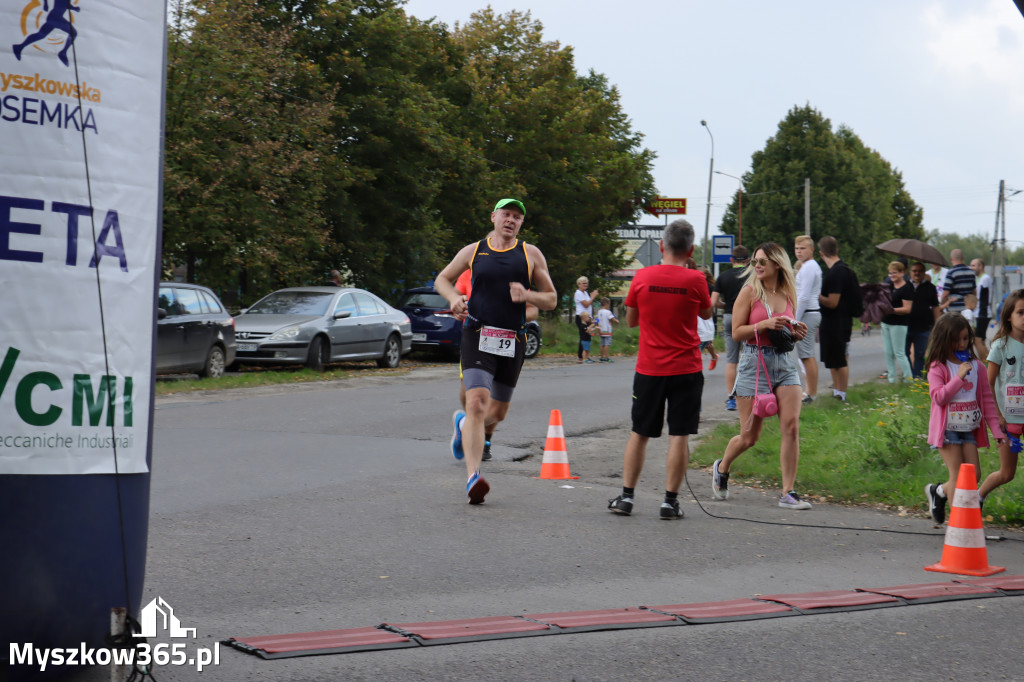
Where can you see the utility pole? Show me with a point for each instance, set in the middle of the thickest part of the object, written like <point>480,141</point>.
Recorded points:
<point>707,213</point>
<point>999,240</point>
<point>807,206</point>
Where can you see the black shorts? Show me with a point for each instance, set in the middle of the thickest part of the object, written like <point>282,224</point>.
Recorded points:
<point>832,342</point>
<point>682,392</point>
<point>504,370</point>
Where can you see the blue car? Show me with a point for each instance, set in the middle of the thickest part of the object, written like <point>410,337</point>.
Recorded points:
<point>434,327</point>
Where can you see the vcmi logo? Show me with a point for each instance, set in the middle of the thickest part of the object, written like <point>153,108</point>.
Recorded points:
<point>50,28</point>
<point>85,396</point>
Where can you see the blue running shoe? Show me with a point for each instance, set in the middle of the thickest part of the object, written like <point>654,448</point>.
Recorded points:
<point>730,404</point>
<point>477,488</point>
<point>457,434</point>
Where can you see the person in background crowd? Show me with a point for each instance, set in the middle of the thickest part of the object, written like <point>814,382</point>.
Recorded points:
<point>333,279</point>
<point>924,310</point>
<point>584,304</point>
<point>808,310</point>
<point>727,288</point>
<point>937,276</point>
<point>605,319</point>
<point>970,310</point>
<point>706,328</point>
<point>837,287</point>
<point>984,293</point>
<point>960,281</point>
<point>590,328</point>
<point>894,325</point>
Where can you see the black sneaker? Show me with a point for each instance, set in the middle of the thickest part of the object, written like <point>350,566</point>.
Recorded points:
<point>487,451</point>
<point>671,510</point>
<point>621,505</point>
<point>936,504</point>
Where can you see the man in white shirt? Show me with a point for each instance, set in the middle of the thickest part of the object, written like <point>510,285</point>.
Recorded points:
<point>938,275</point>
<point>983,291</point>
<point>808,288</point>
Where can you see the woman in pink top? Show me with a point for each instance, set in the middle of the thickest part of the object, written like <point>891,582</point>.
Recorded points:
<point>764,305</point>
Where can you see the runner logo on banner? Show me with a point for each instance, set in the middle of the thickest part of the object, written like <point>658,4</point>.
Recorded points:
<point>81,87</point>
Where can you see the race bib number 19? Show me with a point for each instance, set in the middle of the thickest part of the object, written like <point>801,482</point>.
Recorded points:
<point>498,341</point>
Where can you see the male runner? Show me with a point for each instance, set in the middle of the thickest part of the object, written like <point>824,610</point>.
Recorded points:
<point>493,339</point>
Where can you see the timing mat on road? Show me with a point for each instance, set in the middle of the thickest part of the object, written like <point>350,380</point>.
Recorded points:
<point>407,635</point>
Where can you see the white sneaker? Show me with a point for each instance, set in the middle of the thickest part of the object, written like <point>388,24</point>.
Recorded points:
<point>792,501</point>
<point>719,482</point>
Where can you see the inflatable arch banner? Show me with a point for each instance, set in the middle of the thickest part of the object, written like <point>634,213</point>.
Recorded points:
<point>81,115</point>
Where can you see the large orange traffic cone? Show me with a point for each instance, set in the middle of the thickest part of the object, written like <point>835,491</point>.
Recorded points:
<point>555,465</point>
<point>964,550</point>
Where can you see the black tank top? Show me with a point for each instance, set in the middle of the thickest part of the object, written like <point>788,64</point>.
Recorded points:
<point>493,270</point>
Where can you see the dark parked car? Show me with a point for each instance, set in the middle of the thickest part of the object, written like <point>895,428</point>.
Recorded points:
<point>434,327</point>
<point>313,326</point>
<point>194,332</point>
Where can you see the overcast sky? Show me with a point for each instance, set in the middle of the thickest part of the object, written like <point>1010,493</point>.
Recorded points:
<point>935,86</point>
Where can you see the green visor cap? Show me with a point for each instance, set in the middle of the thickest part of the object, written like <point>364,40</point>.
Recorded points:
<point>510,202</point>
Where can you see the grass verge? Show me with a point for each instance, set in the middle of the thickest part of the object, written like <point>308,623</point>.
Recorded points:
<point>871,450</point>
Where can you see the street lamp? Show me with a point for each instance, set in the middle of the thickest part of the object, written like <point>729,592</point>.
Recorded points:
<point>707,214</point>
<point>739,212</point>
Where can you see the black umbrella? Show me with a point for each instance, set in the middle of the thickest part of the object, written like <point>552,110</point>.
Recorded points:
<point>914,249</point>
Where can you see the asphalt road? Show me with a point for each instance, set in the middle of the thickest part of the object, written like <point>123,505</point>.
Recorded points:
<point>339,506</point>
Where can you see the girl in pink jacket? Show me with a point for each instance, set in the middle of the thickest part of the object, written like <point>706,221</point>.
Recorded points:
<point>962,404</point>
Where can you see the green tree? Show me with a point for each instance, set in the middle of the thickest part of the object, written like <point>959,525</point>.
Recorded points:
<point>243,178</point>
<point>972,245</point>
<point>559,141</point>
<point>394,155</point>
<point>856,195</point>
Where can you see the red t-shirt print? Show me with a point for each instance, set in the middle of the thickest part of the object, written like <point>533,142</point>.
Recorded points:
<point>668,299</point>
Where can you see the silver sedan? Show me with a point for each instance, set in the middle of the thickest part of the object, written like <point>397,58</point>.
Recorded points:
<point>314,326</point>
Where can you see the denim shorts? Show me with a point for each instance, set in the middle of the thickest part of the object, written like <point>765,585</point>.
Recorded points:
<point>782,371</point>
<point>958,438</point>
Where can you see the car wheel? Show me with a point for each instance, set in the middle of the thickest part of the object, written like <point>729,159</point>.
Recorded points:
<point>392,353</point>
<point>532,343</point>
<point>214,366</point>
<point>317,357</point>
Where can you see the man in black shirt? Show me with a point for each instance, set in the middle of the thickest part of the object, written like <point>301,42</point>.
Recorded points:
<point>727,288</point>
<point>837,290</point>
<point>923,313</point>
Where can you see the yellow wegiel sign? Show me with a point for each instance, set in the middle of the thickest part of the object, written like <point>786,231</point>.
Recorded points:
<point>663,206</point>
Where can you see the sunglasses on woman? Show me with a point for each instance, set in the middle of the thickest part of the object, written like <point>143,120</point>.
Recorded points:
<point>761,261</point>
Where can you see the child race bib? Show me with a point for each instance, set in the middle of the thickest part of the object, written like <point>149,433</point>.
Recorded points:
<point>1013,403</point>
<point>963,416</point>
<point>497,341</point>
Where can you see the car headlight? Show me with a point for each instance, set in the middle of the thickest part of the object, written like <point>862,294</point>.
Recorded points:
<point>288,333</point>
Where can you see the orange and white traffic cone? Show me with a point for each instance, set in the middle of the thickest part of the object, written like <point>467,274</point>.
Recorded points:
<point>555,465</point>
<point>964,550</point>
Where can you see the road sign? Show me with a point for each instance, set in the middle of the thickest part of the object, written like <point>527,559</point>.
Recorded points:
<point>721,248</point>
<point>663,206</point>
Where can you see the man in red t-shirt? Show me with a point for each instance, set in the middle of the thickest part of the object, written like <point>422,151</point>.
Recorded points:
<point>665,300</point>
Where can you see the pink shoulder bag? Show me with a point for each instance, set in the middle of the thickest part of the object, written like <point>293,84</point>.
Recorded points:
<point>766,404</point>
